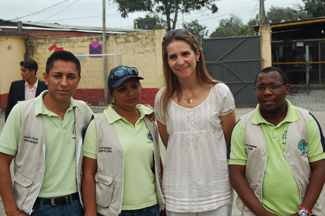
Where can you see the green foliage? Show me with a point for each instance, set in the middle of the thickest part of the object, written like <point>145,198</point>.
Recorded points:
<point>196,29</point>
<point>314,8</point>
<point>166,7</point>
<point>276,14</point>
<point>232,27</point>
<point>150,22</point>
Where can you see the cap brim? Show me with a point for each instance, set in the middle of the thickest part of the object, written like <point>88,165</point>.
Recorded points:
<point>122,80</point>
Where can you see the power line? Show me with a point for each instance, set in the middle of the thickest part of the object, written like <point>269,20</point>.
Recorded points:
<point>60,10</point>
<point>40,11</point>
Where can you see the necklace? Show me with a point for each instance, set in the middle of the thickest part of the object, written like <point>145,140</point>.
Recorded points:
<point>190,100</point>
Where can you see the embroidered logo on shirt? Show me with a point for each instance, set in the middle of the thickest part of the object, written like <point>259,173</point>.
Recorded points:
<point>302,145</point>
<point>149,136</point>
<point>74,133</point>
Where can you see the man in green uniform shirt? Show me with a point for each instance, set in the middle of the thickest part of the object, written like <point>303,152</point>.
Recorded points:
<point>276,153</point>
<point>43,136</point>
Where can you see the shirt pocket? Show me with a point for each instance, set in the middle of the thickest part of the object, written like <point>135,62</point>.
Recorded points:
<point>104,189</point>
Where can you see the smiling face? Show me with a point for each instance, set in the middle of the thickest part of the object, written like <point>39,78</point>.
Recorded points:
<point>62,81</point>
<point>272,101</point>
<point>127,95</point>
<point>182,59</point>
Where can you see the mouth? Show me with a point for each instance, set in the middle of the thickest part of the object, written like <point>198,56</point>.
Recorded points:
<point>268,101</point>
<point>182,69</point>
<point>132,100</point>
<point>63,91</point>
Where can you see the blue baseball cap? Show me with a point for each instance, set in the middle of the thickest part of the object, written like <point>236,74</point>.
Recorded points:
<point>120,74</point>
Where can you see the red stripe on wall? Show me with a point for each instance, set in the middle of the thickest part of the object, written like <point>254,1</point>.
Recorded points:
<point>95,97</point>
<point>3,101</point>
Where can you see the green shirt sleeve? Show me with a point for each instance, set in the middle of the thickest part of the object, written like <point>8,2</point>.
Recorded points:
<point>315,145</point>
<point>90,142</point>
<point>238,154</point>
<point>10,133</point>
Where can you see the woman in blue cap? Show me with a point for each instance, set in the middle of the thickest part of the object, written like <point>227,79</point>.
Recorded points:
<point>121,163</point>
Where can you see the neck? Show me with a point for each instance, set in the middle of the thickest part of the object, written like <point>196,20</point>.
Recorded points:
<point>54,106</point>
<point>189,85</point>
<point>131,116</point>
<point>276,116</point>
<point>32,81</point>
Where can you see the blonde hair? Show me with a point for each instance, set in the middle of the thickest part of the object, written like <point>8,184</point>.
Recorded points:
<point>172,84</point>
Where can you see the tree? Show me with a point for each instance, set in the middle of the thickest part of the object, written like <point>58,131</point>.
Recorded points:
<point>228,27</point>
<point>196,29</point>
<point>149,22</point>
<point>314,8</point>
<point>277,14</point>
<point>166,7</point>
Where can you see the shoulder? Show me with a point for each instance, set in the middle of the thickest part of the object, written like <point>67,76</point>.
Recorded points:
<point>42,83</point>
<point>160,92</point>
<point>18,82</point>
<point>220,87</point>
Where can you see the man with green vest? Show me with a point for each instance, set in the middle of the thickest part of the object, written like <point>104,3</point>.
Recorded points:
<point>276,154</point>
<point>43,136</point>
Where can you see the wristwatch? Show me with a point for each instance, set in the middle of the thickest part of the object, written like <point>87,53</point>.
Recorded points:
<point>303,213</point>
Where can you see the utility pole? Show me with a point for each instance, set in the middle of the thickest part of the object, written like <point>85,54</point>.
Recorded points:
<point>104,52</point>
<point>263,20</point>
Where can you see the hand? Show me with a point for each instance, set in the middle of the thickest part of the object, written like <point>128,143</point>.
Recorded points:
<point>163,213</point>
<point>152,116</point>
<point>17,213</point>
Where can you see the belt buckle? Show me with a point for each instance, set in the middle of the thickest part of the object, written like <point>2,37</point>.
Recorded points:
<point>53,203</point>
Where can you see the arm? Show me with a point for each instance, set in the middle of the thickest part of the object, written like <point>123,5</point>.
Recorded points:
<point>228,122</point>
<point>163,133</point>
<point>88,186</point>
<point>10,102</point>
<point>244,191</point>
<point>6,191</point>
<point>316,184</point>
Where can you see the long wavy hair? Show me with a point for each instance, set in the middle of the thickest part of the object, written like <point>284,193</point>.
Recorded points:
<point>172,84</point>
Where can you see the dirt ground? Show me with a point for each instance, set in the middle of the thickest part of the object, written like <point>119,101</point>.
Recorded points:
<point>320,115</point>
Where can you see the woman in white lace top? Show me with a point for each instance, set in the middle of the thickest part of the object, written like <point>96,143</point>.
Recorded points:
<point>196,115</point>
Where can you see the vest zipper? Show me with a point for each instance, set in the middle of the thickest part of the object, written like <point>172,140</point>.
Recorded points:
<point>77,165</point>
<point>122,184</point>
<point>44,150</point>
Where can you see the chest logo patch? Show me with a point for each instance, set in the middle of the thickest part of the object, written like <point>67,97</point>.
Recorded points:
<point>302,145</point>
<point>149,136</point>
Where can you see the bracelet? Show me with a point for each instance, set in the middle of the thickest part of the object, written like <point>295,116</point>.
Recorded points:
<point>303,208</point>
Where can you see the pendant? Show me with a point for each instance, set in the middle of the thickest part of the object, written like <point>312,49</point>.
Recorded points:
<point>189,101</point>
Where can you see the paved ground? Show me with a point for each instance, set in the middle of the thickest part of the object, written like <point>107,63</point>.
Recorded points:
<point>320,115</point>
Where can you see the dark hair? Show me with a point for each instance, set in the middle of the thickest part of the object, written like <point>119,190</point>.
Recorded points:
<point>171,81</point>
<point>63,56</point>
<point>270,69</point>
<point>30,64</point>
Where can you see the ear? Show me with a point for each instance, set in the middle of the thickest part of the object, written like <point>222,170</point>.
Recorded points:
<point>33,72</point>
<point>287,87</point>
<point>79,80</point>
<point>45,76</point>
<point>198,54</point>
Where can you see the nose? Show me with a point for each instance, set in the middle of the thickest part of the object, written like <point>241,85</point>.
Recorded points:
<point>180,61</point>
<point>131,92</point>
<point>267,91</point>
<point>64,81</point>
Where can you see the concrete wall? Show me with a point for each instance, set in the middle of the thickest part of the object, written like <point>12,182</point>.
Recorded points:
<point>265,33</point>
<point>12,51</point>
<point>139,49</point>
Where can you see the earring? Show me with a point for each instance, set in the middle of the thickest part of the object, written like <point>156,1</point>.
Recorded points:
<point>113,101</point>
<point>197,60</point>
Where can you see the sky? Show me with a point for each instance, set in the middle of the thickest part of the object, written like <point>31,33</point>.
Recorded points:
<point>89,12</point>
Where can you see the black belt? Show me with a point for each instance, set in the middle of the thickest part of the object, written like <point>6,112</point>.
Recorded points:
<point>58,200</point>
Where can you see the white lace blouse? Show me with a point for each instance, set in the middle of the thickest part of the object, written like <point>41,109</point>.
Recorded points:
<point>196,175</point>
